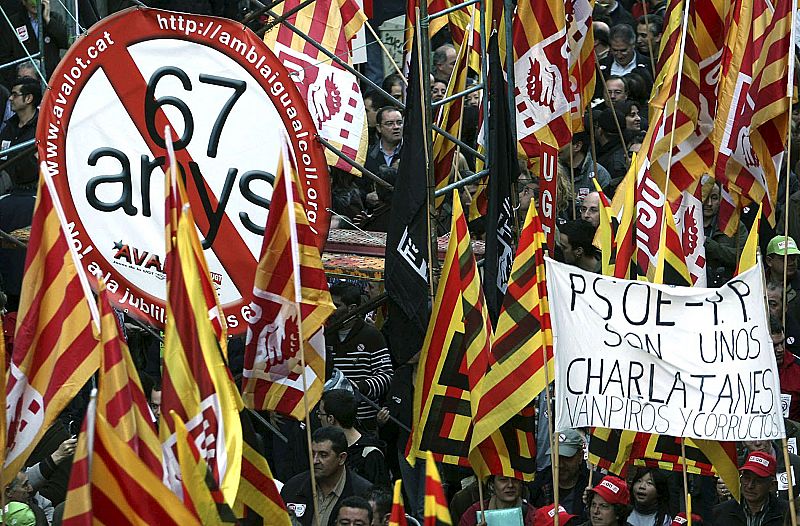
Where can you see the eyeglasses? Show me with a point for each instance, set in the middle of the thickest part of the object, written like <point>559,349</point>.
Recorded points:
<point>321,415</point>
<point>15,94</point>
<point>584,209</point>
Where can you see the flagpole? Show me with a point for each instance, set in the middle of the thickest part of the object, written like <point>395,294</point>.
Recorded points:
<point>288,184</point>
<point>789,93</point>
<point>610,104</point>
<point>663,233</point>
<point>687,498</point>
<point>650,48</point>
<point>480,497</point>
<point>386,52</point>
<point>424,80</point>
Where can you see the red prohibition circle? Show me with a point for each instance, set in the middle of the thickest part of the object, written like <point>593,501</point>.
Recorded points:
<point>107,194</point>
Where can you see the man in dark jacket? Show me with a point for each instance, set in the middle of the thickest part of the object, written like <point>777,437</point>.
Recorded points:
<point>334,481</point>
<point>364,452</point>
<point>25,36</point>
<point>759,505</point>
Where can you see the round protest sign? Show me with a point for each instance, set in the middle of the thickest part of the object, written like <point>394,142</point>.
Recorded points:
<point>229,101</point>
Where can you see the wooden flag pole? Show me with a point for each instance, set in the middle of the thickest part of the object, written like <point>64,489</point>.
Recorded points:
<point>687,497</point>
<point>789,481</point>
<point>610,104</point>
<point>789,93</point>
<point>480,497</point>
<point>650,45</point>
<point>288,183</point>
<point>386,51</point>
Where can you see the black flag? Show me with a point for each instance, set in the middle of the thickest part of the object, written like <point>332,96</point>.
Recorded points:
<point>503,172</point>
<point>407,239</point>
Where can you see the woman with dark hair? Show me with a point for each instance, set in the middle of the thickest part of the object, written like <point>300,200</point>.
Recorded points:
<point>633,117</point>
<point>608,503</point>
<point>505,493</point>
<point>651,503</point>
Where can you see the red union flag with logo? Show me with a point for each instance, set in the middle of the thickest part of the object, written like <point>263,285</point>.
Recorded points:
<point>542,94</point>
<point>290,304</point>
<point>540,69</point>
<point>333,95</point>
<point>197,384</point>
<point>754,97</point>
<point>56,349</point>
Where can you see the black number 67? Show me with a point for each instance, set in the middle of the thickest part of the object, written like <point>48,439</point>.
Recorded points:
<point>152,105</point>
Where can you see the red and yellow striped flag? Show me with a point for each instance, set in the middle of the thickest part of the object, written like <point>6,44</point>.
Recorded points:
<point>56,348</point>
<point>580,46</point>
<point>435,508</point>
<point>678,71</point>
<point>201,494</point>
<point>257,490</point>
<point>398,515</point>
<point>522,345</point>
<point>110,484</point>
<point>458,331</point>
<point>290,305</point>
<point>541,73</point>
<point>120,394</point>
<point>450,118</point>
<point>196,383</point>
<point>754,97</point>
<point>333,94</point>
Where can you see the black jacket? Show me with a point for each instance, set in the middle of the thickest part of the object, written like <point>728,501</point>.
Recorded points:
<point>366,458</point>
<point>297,495</point>
<point>731,513</point>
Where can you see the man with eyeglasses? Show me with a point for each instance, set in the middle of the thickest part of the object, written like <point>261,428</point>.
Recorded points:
<point>389,123</point>
<point>759,505</point>
<point>26,94</point>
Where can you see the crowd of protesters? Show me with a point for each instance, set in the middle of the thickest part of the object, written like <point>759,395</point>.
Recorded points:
<point>361,425</point>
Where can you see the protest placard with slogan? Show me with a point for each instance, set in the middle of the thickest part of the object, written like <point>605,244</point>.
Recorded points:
<point>677,361</point>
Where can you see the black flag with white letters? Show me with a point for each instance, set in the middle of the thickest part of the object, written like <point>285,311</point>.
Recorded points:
<point>407,238</point>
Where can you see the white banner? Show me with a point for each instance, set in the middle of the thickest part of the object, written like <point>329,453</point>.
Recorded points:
<point>678,361</point>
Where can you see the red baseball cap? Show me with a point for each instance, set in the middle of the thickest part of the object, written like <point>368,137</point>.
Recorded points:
<point>545,516</point>
<point>760,463</point>
<point>613,490</point>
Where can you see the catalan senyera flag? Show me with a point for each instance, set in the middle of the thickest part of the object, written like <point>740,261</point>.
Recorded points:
<point>436,511</point>
<point>450,118</point>
<point>616,450</point>
<point>333,94</point>
<point>749,255</point>
<point>624,207</point>
<point>605,238</point>
<point>754,97</point>
<point>110,484</point>
<point>541,73</point>
<point>680,73</point>
<point>56,346</point>
<point>196,382</point>
<point>290,305</point>
<point>257,489</point>
<point>580,46</point>
<point>398,515</point>
<point>120,394</point>
<point>434,6</point>
<point>458,333</point>
<point>522,346</point>
<point>703,457</point>
<point>201,495</point>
